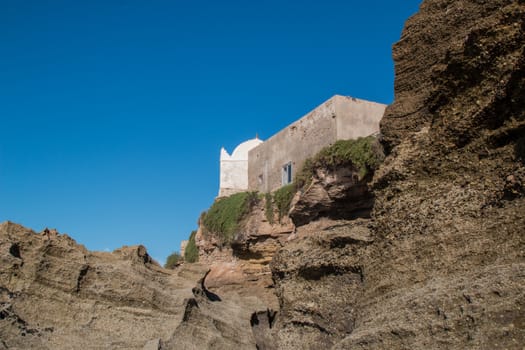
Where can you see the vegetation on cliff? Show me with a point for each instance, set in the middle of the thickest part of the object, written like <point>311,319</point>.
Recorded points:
<point>191,252</point>
<point>364,153</point>
<point>224,217</point>
<point>268,208</point>
<point>281,199</point>
<point>173,260</point>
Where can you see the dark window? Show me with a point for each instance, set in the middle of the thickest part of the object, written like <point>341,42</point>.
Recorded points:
<point>287,173</point>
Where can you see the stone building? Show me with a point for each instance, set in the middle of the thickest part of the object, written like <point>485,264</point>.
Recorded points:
<point>234,168</point>
<point>265,166</point>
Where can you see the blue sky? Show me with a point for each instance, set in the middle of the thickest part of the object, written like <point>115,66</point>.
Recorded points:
<point>113,113</point>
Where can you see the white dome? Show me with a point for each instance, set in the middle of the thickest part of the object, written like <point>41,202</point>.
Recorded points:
<point>241,151</point>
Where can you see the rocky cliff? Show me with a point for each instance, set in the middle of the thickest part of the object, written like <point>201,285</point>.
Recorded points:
<point>441,263</point>
<point>330,195</point>
<point>243,265</point>
<point>54,294</point>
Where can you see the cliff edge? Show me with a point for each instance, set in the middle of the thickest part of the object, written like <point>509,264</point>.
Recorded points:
<point>441,262</point>
<point>55,294</point>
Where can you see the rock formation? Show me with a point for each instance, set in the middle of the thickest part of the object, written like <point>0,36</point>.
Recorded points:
<point>459,70</point>
<point>443,265</point>
<point>334,193</point>
<point>243,265</point>
<point>54,294</point>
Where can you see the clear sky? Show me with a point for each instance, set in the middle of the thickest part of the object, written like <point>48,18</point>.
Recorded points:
<point>113,113</point>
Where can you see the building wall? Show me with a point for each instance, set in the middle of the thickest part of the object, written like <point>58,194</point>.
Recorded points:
<point>233,177</point>
<point>338,118</point>
<point>357,118</point>
<point>234,168</point>
<point>293,144</point>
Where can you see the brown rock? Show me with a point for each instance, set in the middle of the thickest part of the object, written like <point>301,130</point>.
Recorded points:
<point>319,281</point>
<point>444,263</point>
<point>54,294</point>
<point>334,193</point>
<point>243,266</point>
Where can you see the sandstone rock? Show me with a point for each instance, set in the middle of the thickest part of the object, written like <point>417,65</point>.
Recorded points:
<point>466,60</point>
<point>211,321</point>
<point>154,344</point>
<point>335,193</point>
<point>54,294</point>
<point>444,266</point>
<point>319,280</point>
<point>243,266</point>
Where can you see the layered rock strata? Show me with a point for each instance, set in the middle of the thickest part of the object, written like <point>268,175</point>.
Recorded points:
<point>243,265</point>
<point>55,294</point>
<point>445,264</point>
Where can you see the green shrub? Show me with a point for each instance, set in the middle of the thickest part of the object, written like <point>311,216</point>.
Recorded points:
<point>173,260</point>
<point>224,217</point>
<point>268,208</point>
<point>305,175</point>
<point>283,198</point>
<point>191,253</point>
<point>364,153</point>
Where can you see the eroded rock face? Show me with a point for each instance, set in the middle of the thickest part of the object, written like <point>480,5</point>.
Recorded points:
<point>217,322</point>
<point>334,193</point>
<point>446,268</point>
<point>54,294</point>
<point>459,69</point>
<point>319,283</point>
<point>243,266</point>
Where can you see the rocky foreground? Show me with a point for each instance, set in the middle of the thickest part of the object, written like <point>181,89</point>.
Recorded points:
<point>54,294</point>
<point>432,254</point>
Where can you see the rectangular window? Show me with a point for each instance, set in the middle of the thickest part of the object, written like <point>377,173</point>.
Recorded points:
<point>287,173</point>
